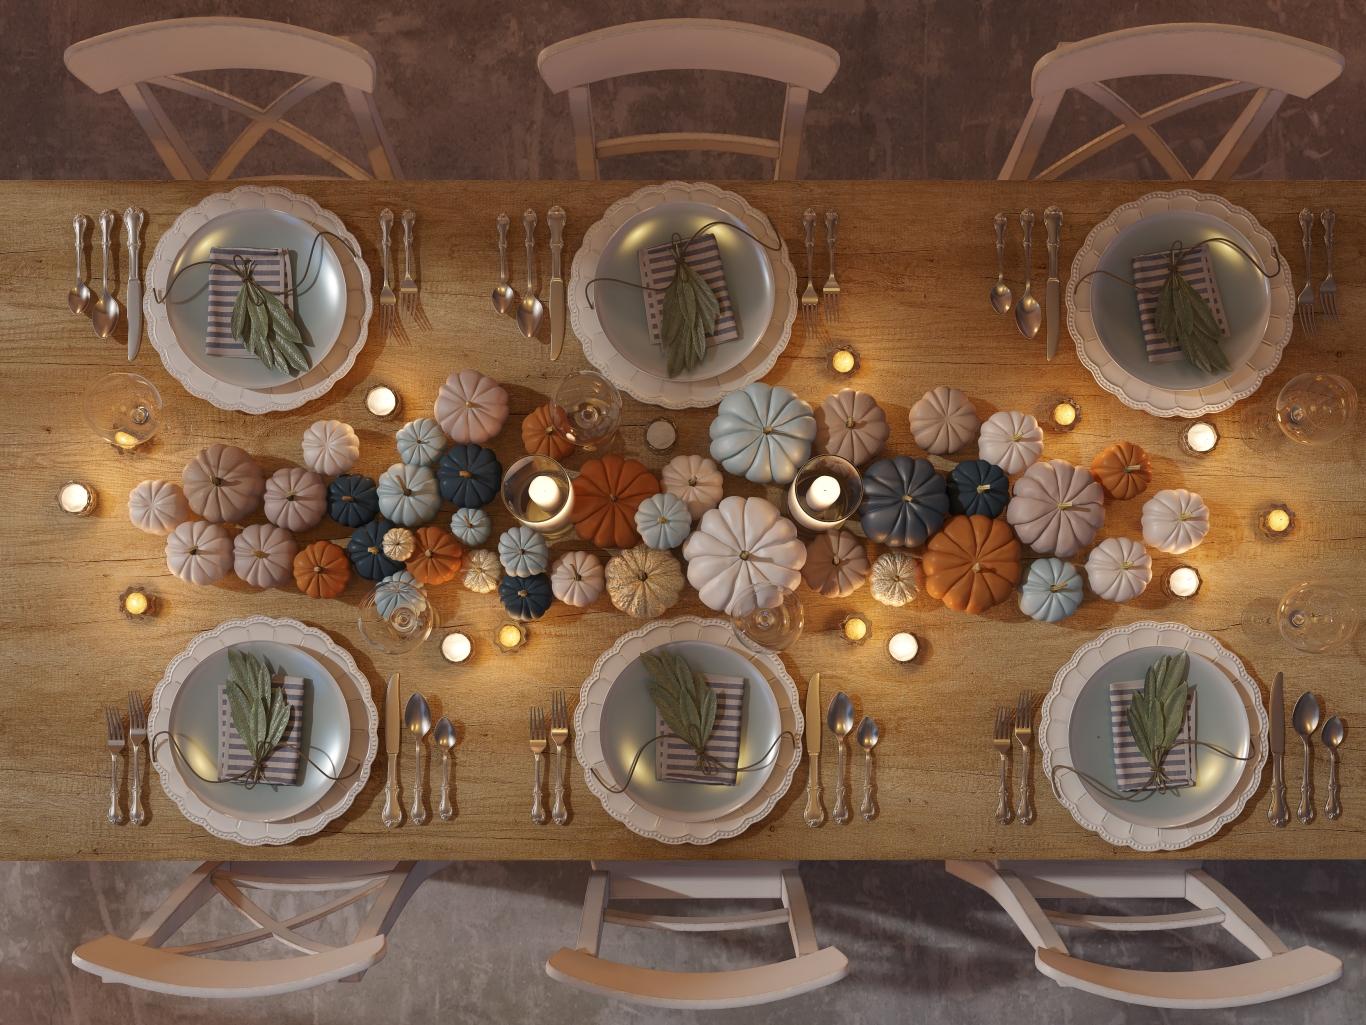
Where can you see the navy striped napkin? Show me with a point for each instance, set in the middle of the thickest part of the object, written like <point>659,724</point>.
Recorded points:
<point>1131,768</point>
<point>704,256</point>
<point>1150,271</point>
<point>677,762</point>
<point>282,766</point>
<point>270,269</point>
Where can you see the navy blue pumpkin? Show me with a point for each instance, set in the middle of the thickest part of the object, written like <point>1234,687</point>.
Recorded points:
<point>366,551</point>
<point>468,476</point>
<point>904,501</point>
<point>526,597</point>
<point>352,500</point>
<point>978,488</point>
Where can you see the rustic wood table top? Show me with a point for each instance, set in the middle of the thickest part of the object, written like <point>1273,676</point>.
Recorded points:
<point>916,262</point>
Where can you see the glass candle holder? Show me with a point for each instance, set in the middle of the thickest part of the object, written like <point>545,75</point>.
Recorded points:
<point>826,491</point>
<point>903,647</point>
<point>1316,408</point>
<point>1199,438</point>
<point>1276,522</point>
<point>77,498</point>
<point>1062,414</point>
<point>1182,582</point>
<point>1317,617</point>
<point>843,360</point>
<point>586,410</point>
<point>137,603</point>
<point>509,637</point>
<point>456,647</point>
<point>855,628</point>
<point>124,409</point>
<point>382,402</point>
<point>537,491</point>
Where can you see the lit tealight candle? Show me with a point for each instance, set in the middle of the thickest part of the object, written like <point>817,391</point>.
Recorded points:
<point>842,361</point>
<point>136,603</point>
<point>1065,414</point>
<point>1183,582</point>
<point>823,493</point>
<point>544,492</point>
<point>76,498</point>
<point>855,629</point>
<point>1277,521</point>
<point>510,637</point>
<point>125,441</point>
<point>382,401</point>
<point>455,647</point>
<point>903,647</point>
<point>1200,437</point>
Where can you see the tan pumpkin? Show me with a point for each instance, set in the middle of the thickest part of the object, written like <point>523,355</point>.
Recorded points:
<point>607,493</point>
<point>644,582</point>
<point>223,484</point>
<point>322,570</point>
<point>972,564</point>
<point>852,426</point>
<point>539,436</point>
<point>471,407</point>
<point>1123,470</point>
<point>896,578</point>
<point>836,564</point>
<point>436,557</point>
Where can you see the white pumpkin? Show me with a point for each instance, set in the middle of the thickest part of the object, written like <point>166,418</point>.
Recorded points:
<point>471,527</point>
<point>577,579</point>
<point>330,447</point>
<point>1013,441</point>
<point>263,555</point>
<point>157,506</point>
<point>1119,569</point>
<point>199,552</point>
<point>408,495</point>
<point>852,426</point>
<point>944,421</point>
<point>1057,508</point>
<point>482,571</point>
<point>295,498</point>
<point>696,480</point>
<point>741,543</point>
<point>662,521</point>
<point>836,564</point>
<point>1175,521</point>
<point>896,578</point>
<point>471,407</point>
<point>420,442</point>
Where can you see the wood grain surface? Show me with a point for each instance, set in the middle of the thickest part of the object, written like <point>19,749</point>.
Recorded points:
<point>916,261</point>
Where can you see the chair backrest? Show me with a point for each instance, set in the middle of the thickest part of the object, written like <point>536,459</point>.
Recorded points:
<point>1267,64</point>
<point>699,44</point>
<point>163,53</point>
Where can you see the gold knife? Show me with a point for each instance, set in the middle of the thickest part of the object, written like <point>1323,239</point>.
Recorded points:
<point>815,720</point>
<point>393,727</point>
<point>1279,812</point>
<point>1052,219</point>
<point>555,218</point>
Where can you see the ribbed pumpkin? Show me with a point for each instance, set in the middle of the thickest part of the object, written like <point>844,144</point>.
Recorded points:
<point>223,484</point>
<point>539,436</point>
<point>852,426</point>
<point>523,552</point>
<point>1119,569</point>
<point>398,544</point>
<point>643,582</point>
<point>607,493</point>
<point>836,564</point>
<point>399,591</point>
<point>526,597</point>
<point>366,551</point>
<point>1175,521</point>
<point>420,442</point>
<point>263,555</point>
<point>157,506</point>
<point>978,488</point>
<point>1058,508</point>
<point>663,521</point>
<point>741,543</point>
<point>895,578</point>
<point>1123,470</point>
<point>696,480</point>
<point>578,578</point>
<point>352,500</point>
<point>408,494</point>
<point>943,420</point>
<point>330,447</point>
<point>763,433</point>
<point>1013,441</point>
<point>321,570</point>
<point>295,498</point>
<point>436,557</point>
<point>972,564</point>
<point>199,552</point>
<point>471,527</point>
<point>904,501</point>
<point>1051,590</point>
<point>471,407</point>
<point>482,571</point>
<point>468,475</point>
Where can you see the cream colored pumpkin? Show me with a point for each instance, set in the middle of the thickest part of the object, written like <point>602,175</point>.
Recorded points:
<point>295,498</point>
<point>330,447</point>
<point>222,483</point>
<point>644,582</point>
<point>470,407</point>
<point>696,480</point>
<point>577,579</point>
<point>852,426</point>
<point>1013,441</point>
<point>741,543</point>
<point>199,552</point>
<point>1057,508</point>
<point>263,555</point>
<point>943,421</point>
<point>1175,521</point>
<point>836,564</point>
<point>1119,569</point>
<point>482,571</point>
<point>157,506</point>
<point>895,578</point>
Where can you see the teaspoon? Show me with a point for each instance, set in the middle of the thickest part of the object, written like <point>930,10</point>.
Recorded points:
<point>417,717</point>
<point>105,314</point>
<point>1002,299</point>
<point>504,295</point>
<point>1306,718</point>
<point>1028,312</point>
<point>1332,735</point>
<point>867,738</point>
<point>445,739</point>
<point>529,310</point>
<point>840,719</point>
<point>80,298</point>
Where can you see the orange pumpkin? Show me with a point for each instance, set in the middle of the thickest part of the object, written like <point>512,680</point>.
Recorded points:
<point>1123,470</point>
<point>436,556</point>
<point>321,570</point>
<point>539,436</point>
<point>972,563</point>
<point>607,493</point>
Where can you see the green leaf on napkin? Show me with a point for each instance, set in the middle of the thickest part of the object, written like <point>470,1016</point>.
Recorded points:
<point>266,328</point>
<point>690,312</point>
<point>685,701</point>
<point>260,712</point>
<point>1157,712</point>
<point>1185,320</point>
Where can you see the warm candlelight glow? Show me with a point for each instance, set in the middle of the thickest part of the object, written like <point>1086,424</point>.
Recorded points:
<point>855,629</point>
<point>510,637</point>
<point>1278,520</point>
<point>842,361</point>
<point>76,498</point>
<point>1200,437</point>
<point>544,492</point>
<point>823,493</point>
<point>1065,414</point>
<point>382,401</point>
<point>135,603</point>
<point>125,441</point>
<point>455,647</point>
<point>903,647</point>
<point>1183,582</point>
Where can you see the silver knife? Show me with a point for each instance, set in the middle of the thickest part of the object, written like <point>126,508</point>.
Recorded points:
<point>392,815</point>
<point>132,229</point>
<point>815,807</point>
<point>555,218</point>
<point>1052,219</point>
<point>1279,812</point>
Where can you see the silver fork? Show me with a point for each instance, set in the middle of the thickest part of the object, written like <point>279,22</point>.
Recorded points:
<point>538,753</point>
<point>559,735</point>
<point>810,298</point>
<point>1000,739</point>
<point>1328,290</point>
<point>830,291</point>
<point>1304,303</point>
<point>1024,736</point>
<point>137,736</point>
<point>388,302</point>
<point>114,725</point>
<point>407,288</point>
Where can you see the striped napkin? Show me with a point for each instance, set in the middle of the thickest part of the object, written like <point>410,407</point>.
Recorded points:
<point>1150,271</point>
<point>282,766</point>
<point>704,256</point>
<point>677,762</point>
<point>270,268</point>
<point>1131,768</point>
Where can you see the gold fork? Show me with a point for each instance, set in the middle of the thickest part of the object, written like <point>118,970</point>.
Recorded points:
<point>1024,736</point>
<point>538,753</point>
<point>810,298</point>
<point>137,735</point>
<point>830,291</point>
<point>1000,739</point>
<point>114,725</point>
<point>559,735</point>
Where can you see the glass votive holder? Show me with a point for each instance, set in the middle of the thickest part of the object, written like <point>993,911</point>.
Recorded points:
<point>382,401</point>
<point>509,637</point>
<point>586,410</point>
<point>855,628</point>
<point>1182,582</point>
<point>826,491</point>
<point>537,491</point>
<point>843,360</point>
<point>660,435</point>
<point>1276,522</point>
<point>77,498</point>
<point>1199,438</point>
<point>456,647</point>
<point>903,647</point>
<point>124,409</point>
<point>1062,414</point>
<point>137,603</point>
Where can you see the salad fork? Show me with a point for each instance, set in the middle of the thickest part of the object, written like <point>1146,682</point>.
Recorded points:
<point>407,287</point>
<point>1000,739</point>
<point>114,727</point>
<point>537,729</point>
<point>810,298</point>
<point>1024,736</point>
<point>1328,289</point>
<point>137,736</point>
<point>388,302</point>
<point>830,291</point>
<point>1304,302</point>
<point>559,735</point>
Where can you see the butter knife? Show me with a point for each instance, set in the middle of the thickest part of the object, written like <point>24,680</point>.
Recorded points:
<point>815,719</point>
<point>1279,812</point>
<point>132,230</point>
<point>392,815</point>
<point>555,218</point>
<point>1052,219</point>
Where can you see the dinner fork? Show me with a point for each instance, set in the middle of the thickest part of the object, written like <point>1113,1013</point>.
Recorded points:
<point>1000,739</point>
<point>1304,303</point>
<point>559,734</point>
<point>1328,290</point>
<point>810,298</point>
<point>407,288</point>
<point>137,736</point>
<point>538,753</point>
<point>830,291</point>
<point>388,302</point>
<point>1024,735</point>
<point>114,726</point>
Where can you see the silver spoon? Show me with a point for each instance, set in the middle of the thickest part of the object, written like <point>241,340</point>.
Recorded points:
<point>1002,299</point>
<point>504,295</point>
<point>840,718</point>
<point>417,717</point>
<point>1333,734</point>
<point>529,310</point>
<point>1306,718</point>
<point>1028,312</point>
<point>105,314</point>
<point>867,738</point>
<point>445,739</point>
<point>80,298</point>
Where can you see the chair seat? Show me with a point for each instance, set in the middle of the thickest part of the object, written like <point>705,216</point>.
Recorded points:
<point>698,990</point>
<point>115,959</point>
<point>1271,978</point>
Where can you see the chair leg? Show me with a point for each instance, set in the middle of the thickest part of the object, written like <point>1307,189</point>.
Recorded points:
<point>799,923</point>
<point>1242,924</point>
<point>595,898</point>
<point>404,881</point>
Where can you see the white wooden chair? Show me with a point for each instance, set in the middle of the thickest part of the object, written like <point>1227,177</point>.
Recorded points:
<point>163,53</point>
<point>1267,64</point>
<point>144,961</point>
<point>700,44</point>
<point>1019,886</point>
<point>809,968</point>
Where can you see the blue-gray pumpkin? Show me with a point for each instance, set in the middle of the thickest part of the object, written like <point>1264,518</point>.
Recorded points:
<point>366,551</point>
<point>1051,590</point>
<point>352,500</point>
<point>978,488</point>
<point>468,475</point>
<point>526,597</point>
<point>904,501</point>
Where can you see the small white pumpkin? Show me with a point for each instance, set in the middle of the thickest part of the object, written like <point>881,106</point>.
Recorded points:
<point>943,421</point>
<point>1057,508</point>
<point>471,407</point>
<point>1119,569</point>
<point>157,506</point>
<point>263,555</point>
<point>408,495</point>
<point>852,426</point>
<point>696,480</point>
<point>295,498</point>
<point>398,544</point>
<point>523,552</point>
<point>663,521</point>
<point>420,442</point>
<point>578,579</point>
<point>471,527</point>
<point>741,543</point>
<point>330,447</point>
<point>1013,441</point>
<point>199,552</point>
<point>836,564</point>
<point>482,571</point>
<point>1175,520</point>
<point>895,578</point>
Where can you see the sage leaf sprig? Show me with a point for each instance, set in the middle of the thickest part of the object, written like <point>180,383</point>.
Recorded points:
<point>685,702</point>
<point>263,324</point>
<point>1185,320</point>
<point>1157,712</point>
<point>260,713</point>
<point>690,312</point>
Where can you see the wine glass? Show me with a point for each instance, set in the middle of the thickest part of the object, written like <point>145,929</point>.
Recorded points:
<point>1317,617</point>
<point>1316,408</point>
<point>124,409</point>
<point>586,410</point>
<point>408,624</point>
<point>766,616</point>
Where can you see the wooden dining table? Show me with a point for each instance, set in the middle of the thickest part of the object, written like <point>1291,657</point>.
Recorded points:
<point>916,262</point>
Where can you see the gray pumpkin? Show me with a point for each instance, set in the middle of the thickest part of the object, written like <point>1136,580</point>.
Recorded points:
<point>904,501</point>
